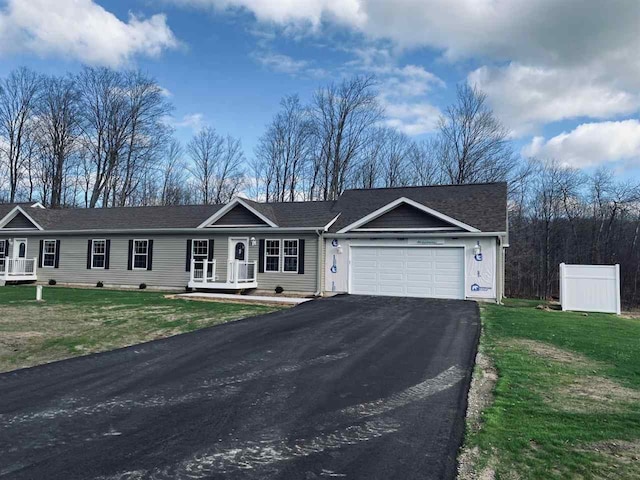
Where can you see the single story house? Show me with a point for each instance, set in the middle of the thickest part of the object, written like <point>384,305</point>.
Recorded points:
<point>438,241</point>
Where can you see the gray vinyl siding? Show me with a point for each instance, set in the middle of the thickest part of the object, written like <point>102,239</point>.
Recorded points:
<point>168,263</point>
<point>406,216</point>
<point>239,215</point>
<point>20,221</point>
<point>295,282</point>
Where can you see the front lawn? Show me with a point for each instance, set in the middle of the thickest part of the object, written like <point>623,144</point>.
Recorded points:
<point>567,399</point>
<point>73,322</point>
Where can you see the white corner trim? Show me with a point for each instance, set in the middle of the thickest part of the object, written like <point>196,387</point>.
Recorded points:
<point>14,213</point>
<point>328,225</point>
<point>390,206</point>
<point>236,201</point>
<point>38,205</point>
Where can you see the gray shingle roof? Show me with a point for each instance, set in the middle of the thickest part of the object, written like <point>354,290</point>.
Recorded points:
<point>483,206</point>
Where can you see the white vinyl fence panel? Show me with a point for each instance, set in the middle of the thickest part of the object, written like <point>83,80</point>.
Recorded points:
<point>590,288</point>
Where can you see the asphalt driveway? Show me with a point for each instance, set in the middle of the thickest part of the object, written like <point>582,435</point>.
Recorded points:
<point>349,387</point>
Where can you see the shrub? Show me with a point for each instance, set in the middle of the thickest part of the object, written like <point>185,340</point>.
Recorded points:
<point>143,286</point>
<point>279,289</point>
<point>52,282</point>
<point>99,284</point>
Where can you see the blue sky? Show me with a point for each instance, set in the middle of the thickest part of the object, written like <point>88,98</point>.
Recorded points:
<point>564,77</point>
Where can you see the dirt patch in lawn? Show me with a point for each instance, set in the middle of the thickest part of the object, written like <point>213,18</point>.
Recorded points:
<point>618,450</point>
<point>553,353</point>
<point>594,393</point>
<point>480,397</point>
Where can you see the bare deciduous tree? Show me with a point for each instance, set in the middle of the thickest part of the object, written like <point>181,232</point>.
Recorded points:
<point>474,145</point>
<point>216,165</point>
<point>19,94</point>
<point>344,115</point>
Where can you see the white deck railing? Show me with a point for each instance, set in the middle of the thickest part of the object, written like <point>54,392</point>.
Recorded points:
<point>203,271</point>
<point>17,267</point>
<point>241,272</point>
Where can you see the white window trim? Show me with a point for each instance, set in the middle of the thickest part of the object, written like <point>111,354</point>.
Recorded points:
<point>133,258</point>
<point>279,240</point>
<point>4,253</point>
<point>193,250</point>
<point>93,249</point>
<point>296,256</point>
<point>44,248</point>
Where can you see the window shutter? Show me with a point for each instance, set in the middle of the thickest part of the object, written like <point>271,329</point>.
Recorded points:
<point>88,254</point>
<point>107,252</point>
<point>210,252</point>
<point>6,248</point>
<point>261,256</point>
<point>41,254</point>
<point>301,256</point>
<point>188,266</point>
<point>150,255</point>
<point>130,256</point>
<point>57,260</point>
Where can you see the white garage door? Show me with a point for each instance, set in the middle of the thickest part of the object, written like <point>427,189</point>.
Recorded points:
<point>408,271</point>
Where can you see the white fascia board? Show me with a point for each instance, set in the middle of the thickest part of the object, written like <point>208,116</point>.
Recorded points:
<point>328,225</point>
<point>390,206</point>
<point>236,201</point>
<point>14,213</point>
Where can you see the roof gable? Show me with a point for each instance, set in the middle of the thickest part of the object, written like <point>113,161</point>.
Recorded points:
<point>482,206</point>
<point>247,205</point>
<point>239,216</point>
<point>18,219</point>
<point>451,222</point>
<point>407,217</point>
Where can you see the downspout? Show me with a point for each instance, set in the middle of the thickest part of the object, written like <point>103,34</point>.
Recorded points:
<point>319,263</point>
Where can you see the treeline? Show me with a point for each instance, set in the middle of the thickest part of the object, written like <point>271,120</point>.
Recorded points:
<point>103,138</point>
<point>560,214</point>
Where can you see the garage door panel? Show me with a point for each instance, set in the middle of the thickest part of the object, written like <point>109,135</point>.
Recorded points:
<point>418,272</point>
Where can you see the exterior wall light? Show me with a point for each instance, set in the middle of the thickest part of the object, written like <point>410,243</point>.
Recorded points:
<point>253,242</point>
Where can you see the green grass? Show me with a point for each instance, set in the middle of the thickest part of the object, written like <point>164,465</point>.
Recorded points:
<point>567,400</point>
<point>73,322</point>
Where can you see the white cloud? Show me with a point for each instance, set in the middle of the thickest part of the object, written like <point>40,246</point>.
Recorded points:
<point>412,118</point>
<point>591,144</point>
<point>81,29</point>
<point>526,96</point>
<point>540,30</point>
<point>282,63</point>
<point>192,121</point>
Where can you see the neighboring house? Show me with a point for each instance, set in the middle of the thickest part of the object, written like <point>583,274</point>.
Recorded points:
<point>438,241</point>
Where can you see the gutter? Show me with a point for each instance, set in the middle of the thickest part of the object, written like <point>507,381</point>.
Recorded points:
<point>414,235</point>
<point>164,231</point>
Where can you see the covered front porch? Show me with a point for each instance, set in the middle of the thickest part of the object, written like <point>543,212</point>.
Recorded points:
<point>240,274</point>
<point>17,270</point>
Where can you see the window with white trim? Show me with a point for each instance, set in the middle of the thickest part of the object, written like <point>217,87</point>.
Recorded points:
<point>272,256</point>
<point>98,253</point>
<point>49,253</point>
<point>200,249</point>
<point>3,254</point>
<point>140,254</point>
<point>290,256</point>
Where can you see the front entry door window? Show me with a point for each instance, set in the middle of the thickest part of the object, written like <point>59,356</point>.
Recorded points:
<point>20,248</point>
<point>240,251</point>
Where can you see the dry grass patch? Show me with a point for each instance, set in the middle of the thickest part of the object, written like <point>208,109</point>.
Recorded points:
<point>553,353</point>
<point>75,322</point>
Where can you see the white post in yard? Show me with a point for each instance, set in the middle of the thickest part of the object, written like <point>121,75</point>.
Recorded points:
<point>562,287</point>
<point>618,306</point>
<point>39,293</point>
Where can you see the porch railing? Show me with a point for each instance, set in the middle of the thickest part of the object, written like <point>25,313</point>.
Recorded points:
<point>203,271</point>
<point>17,267</point>
<point>242,272</point>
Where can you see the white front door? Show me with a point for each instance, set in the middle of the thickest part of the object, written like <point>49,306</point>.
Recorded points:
<point>436,272</point>
<point>238,252</point>
<point>19,248</point>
